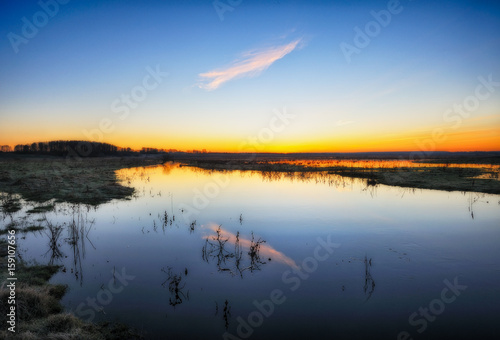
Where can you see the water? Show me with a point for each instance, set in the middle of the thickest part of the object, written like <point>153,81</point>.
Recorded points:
<point>341,260</point>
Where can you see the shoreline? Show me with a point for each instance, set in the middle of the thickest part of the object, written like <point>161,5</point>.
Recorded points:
<point>38,311</point>
<point>93,181</point>
<point>90,181</point>
<point>447,178</point>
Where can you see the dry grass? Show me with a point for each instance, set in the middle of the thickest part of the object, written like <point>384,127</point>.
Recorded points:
<point>39,312</point>
<point>464,178</point>
<point>68,327</point>
<point>32,302</point>
<point>88,180</point>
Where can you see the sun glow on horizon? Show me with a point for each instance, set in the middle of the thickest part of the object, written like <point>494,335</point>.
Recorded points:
<point>216,86</point>
<point>484,139</point>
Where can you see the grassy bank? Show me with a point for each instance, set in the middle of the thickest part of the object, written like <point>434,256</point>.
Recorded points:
<point>39,311</point>
<point>85,180</point>
<point>46,180</point>
<point>439,177</point>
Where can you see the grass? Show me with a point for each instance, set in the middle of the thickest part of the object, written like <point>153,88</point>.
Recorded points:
<point>41,209</point>
<point>465,179</point>
<point>87,180</point>
<point>10,204</point>
<point>13,226</point>
<point>93,181</point>
<point>39,311</point>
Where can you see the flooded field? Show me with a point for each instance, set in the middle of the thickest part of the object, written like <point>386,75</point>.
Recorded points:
<point>246,254</point>
<point>382,164</point>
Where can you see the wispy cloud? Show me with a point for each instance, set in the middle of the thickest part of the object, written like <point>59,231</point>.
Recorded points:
<point>344,122</point>
<point>250,65</point>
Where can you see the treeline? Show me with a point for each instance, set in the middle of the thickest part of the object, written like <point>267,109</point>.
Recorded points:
<point>71,148</point>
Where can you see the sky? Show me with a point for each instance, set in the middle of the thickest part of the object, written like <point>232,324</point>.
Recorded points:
<point>241,75</point>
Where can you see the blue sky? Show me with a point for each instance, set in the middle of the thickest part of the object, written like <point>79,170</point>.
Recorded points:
<point>226,77</point>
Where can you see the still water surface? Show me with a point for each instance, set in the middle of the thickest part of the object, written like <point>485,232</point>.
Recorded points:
<point>330,258</point>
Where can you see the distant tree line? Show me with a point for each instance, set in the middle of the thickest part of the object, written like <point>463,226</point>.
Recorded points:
<point>5,148</point>
<point>78,149</point>
<point>71,148</point>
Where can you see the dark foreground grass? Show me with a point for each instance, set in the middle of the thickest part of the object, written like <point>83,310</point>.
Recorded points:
<point>435,178</point>
<point>86,180</point>
<point>19,229</point>
<point>39,311</point>
<point>89,181</point>
<point>447,178</point>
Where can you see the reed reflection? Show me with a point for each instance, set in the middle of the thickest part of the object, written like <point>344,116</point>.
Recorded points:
<point>176,286</point>
<point>246,254</point>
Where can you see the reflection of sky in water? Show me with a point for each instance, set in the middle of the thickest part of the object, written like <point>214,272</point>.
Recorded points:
<point>379,163</point>
<point>415,239</point>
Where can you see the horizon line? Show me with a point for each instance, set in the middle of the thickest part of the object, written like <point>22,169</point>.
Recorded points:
<point>7,148</point>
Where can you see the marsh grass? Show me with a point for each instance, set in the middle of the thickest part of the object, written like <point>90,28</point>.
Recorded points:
<point>10,203</point>
<point>41,209</point>
<point>369,286</point>
<point>39,311</point>
<point>91,181</point>
<point>175,286</point>
<point>453,177</point>
<point>53,232</point>
<point>229,261</point>
<point>18,229</point>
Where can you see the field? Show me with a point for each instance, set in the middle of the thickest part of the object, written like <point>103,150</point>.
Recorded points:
<point>450,174</point>
<point>89,181</point>
<point>42,182</point>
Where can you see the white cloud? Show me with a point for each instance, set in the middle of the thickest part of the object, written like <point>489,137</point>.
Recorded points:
<point>252,64</point>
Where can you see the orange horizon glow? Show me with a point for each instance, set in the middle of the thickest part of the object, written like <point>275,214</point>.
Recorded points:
<point>485,139</point>
<point>484,147</point>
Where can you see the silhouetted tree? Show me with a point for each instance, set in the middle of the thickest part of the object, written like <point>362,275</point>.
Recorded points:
<point>73,148</point>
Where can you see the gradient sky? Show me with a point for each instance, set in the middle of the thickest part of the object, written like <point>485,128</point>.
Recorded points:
<point>226,78</point>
